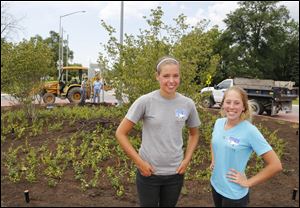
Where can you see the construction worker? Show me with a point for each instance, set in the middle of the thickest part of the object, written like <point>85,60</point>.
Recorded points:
<point>97,89</point>
<point>83,90</point>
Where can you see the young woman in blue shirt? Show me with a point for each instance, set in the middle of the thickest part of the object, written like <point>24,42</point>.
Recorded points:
<point>234,139</point>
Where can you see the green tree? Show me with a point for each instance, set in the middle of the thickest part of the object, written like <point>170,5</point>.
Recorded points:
<point>256,40</point>
<point>131,67</point>
<point>199,61</point>
<point>290,61</point>
<point>52,43</point>
<point>23,67</point>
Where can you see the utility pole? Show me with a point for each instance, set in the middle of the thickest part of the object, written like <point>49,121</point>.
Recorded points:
<point>122,22</point>
<point>67,60</point>
<point>60,42</point>
<point>120,94</point>
<point>62,47</point>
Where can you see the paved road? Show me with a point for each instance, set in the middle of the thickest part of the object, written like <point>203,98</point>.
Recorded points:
<point>293,116</point>
<point>108,97</point>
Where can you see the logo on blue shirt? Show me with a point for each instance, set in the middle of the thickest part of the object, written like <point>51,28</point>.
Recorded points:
<point>232,141</point>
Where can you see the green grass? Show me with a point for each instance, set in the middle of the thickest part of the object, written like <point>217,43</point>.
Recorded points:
<point>296,102</point>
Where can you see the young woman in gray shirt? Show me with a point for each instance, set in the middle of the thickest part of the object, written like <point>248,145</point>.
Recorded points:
<point>161,162</point>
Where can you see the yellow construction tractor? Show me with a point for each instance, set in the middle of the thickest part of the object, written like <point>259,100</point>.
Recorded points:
<point>67,86</point>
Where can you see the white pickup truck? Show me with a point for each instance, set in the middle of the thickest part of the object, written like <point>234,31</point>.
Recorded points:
<point>264,95</point>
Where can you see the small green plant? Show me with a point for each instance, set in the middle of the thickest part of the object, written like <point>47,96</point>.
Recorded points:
<point>52,182</point>
<point>55,126</point>
<point>115,181</point>
<point>32,165</point>
<point>94,181</point>
<point>11,162</point>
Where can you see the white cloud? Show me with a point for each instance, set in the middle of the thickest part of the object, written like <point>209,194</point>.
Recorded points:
<point>182,7</point>
<point>132,9</point>
<point>110,10</point>
<point>293,7</point>
<point>215,12</point>
<point>59,6</point>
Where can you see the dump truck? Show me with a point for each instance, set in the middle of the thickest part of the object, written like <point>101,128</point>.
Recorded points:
<point>264,95</point>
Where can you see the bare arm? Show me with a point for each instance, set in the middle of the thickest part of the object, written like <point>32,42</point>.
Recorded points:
<point>191,146</point>
<point>212,164</point>
<point>273,166</point>
<point>122,137</point>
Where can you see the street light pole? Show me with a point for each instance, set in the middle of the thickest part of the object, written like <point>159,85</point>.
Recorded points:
<point>120,94</point>
<point>60,43</point>
<point>122,22</point>
<point>59,50</point>
<point>67,59</point>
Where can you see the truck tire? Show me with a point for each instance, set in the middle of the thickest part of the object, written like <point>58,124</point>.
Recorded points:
<point>49,98</point>
<point>269,112</point>
<point>256,107</point>
<point>74,95</point>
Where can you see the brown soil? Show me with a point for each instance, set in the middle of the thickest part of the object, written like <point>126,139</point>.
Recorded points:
<point>277,192</point>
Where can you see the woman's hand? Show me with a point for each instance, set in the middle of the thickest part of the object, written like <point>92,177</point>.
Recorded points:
<point>182,167</point>
<point>237,177</point>
<point>145,169</point>
<point>212,165</point>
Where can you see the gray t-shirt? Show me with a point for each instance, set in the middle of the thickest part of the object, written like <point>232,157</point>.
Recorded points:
<point>163,121</point>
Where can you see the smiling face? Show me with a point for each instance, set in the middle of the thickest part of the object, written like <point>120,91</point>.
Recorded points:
<point>233,105</point>
<point>169,79</point>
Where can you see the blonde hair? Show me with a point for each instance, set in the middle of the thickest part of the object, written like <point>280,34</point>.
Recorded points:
<point>246,114</point>
<point>165,60</point>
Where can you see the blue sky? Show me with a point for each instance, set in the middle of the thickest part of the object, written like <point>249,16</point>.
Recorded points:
<point>84,29</point>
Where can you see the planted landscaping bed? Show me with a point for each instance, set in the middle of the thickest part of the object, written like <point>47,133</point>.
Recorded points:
<point>68,156</point>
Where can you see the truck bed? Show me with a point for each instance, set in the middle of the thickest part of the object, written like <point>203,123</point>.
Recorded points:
<point>258,84</point>
<point>262,84</point>
<point>266,88</point>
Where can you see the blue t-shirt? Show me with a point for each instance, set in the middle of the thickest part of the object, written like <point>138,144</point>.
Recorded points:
<point>97,85</point>
<point>232,148</point>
